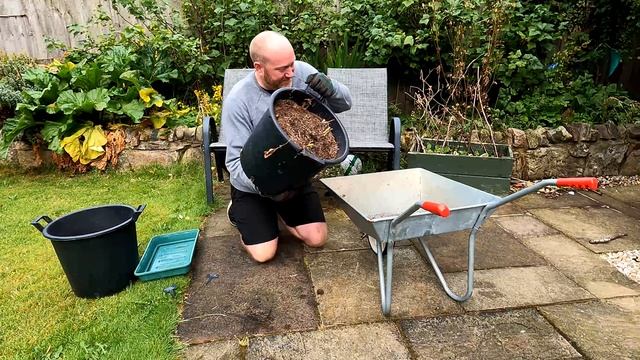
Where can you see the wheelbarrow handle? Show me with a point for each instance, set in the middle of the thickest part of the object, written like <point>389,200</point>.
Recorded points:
<point>436,208</point>
<point>580,183</point>
<point>432,207</point>
<point>590,183</point>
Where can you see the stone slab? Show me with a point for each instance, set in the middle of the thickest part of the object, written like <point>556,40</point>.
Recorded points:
<point>593,223</point>
<point>367,341</point>
<point>347,287</point>
<point>608,329</point>
<point>623,199</point>
<point>628,194</point>
<point>217,224</point>
<point>508,209</point>
<point>219,350</point>
<point>492,243</point>
<point>517,287</point>
<point>247,298</point>
<point>523,226</point>
<point>589,270</point>
<point>520,334</point>
<point>537,201</point>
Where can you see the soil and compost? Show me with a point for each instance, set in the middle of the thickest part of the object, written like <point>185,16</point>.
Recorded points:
<point>306,129</point>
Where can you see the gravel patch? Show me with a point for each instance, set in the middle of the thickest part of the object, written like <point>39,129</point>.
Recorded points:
<point>618,180</point>
<point>627,262</point>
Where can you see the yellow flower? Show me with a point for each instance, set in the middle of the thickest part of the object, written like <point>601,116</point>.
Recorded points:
<point>85,144</point>
<point>217,93</point>
<point>150,94</point>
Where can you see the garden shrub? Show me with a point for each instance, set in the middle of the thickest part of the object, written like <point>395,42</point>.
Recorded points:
<point>140,74</point>
<point>12,82</point>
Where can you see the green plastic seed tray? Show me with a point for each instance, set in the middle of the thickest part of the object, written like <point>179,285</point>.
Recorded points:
<point>168,255</point>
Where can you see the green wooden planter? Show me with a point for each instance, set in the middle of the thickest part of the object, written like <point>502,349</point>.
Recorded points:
<point>490,174</point>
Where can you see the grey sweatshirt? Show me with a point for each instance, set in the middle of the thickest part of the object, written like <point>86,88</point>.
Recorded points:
<point>243,108</point>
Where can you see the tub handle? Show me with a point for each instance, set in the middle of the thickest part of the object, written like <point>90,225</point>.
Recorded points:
<point>36,222</point>
<point>136,214</point>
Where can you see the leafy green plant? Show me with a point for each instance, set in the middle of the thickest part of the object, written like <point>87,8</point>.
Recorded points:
<point>557,102</point>
<point>12,82</point>
<point>130,76</point>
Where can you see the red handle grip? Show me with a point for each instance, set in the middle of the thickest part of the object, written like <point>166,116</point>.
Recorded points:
<point>436,208</point>
<point>590,183</point>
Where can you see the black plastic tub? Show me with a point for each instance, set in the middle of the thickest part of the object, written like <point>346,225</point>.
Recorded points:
<point>289,166</point>
<point>97,247</point>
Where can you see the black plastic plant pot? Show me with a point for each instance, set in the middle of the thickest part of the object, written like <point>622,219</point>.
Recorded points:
<point>273,162</point>
<point>97,247</point>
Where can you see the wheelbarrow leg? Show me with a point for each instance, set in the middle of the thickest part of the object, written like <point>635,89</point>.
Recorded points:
<point>385,282</point>
<point>470,264</point>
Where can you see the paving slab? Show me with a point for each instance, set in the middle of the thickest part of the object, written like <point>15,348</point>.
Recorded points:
<point>520,334</point>
<point>523,226</point>
<point>219,350</point>
<point>508,209</point>
<point>347,287</point>
<point>367,341</point>
<point>594,223</point>
<point>624,199</point>
<point>517,287</point>
<point>342,233</point>
<point>492,244</point>
<point>217,224</point>
<point>628,194</point>
<point>565,199</point>
<point>589,270</point>
<point>247,298</point>
<point>607,329</point>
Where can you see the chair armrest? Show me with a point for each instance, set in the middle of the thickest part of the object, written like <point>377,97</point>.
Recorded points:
<point>209,131</point>
<point>394,138</point>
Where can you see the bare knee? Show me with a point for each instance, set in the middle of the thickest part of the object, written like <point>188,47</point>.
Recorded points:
<point>313,235</point>
<point>262,257</point>
<point>264,252</point>
<point>315,238</point>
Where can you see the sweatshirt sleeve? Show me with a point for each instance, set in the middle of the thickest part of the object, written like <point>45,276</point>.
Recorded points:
<point>237,127</point>
<point>338,102</point>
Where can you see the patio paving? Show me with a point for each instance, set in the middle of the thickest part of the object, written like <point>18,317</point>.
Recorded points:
<point>607,329</point>
<point>589,270</point>
<point>519,334</point>
<point>245,299</point>
<point>348,292</point>
<point>594,223</point>
<point>492,243</point>
<point>541,290</point>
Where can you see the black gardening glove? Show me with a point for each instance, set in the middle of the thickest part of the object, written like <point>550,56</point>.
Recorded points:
<point>321,84</point>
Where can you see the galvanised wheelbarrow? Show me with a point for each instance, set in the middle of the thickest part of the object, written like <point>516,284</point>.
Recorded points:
<point>405,204</point>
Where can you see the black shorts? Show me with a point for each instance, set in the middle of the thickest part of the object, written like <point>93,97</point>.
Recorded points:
<point>257,216</point>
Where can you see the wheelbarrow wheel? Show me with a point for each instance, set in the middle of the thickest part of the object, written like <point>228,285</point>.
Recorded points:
<point>374,247</point>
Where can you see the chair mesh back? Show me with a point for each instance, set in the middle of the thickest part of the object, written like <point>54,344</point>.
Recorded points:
<point>367,122</point>
<point>231,77</point>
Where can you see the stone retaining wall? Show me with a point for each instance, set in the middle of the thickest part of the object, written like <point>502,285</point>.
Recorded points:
<point>143,147</point>
<point>574,150</point>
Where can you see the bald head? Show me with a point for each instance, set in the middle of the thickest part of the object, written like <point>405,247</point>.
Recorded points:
<point>273,60</point>
<point>267,44</point>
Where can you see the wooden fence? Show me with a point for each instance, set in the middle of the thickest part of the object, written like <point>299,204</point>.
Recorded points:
<point>25,23</point>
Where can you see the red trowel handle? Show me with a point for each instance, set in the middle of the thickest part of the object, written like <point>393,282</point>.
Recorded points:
<point>436,208</point>
<point>590,183</point>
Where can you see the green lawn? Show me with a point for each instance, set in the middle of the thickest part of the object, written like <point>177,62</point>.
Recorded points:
<point>40,317</point>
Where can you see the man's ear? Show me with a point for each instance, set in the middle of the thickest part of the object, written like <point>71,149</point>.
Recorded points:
<point>257,65</point>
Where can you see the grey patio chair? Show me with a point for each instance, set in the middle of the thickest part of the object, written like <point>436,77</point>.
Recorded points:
<point>209,132</point>
<point>366,122</point>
